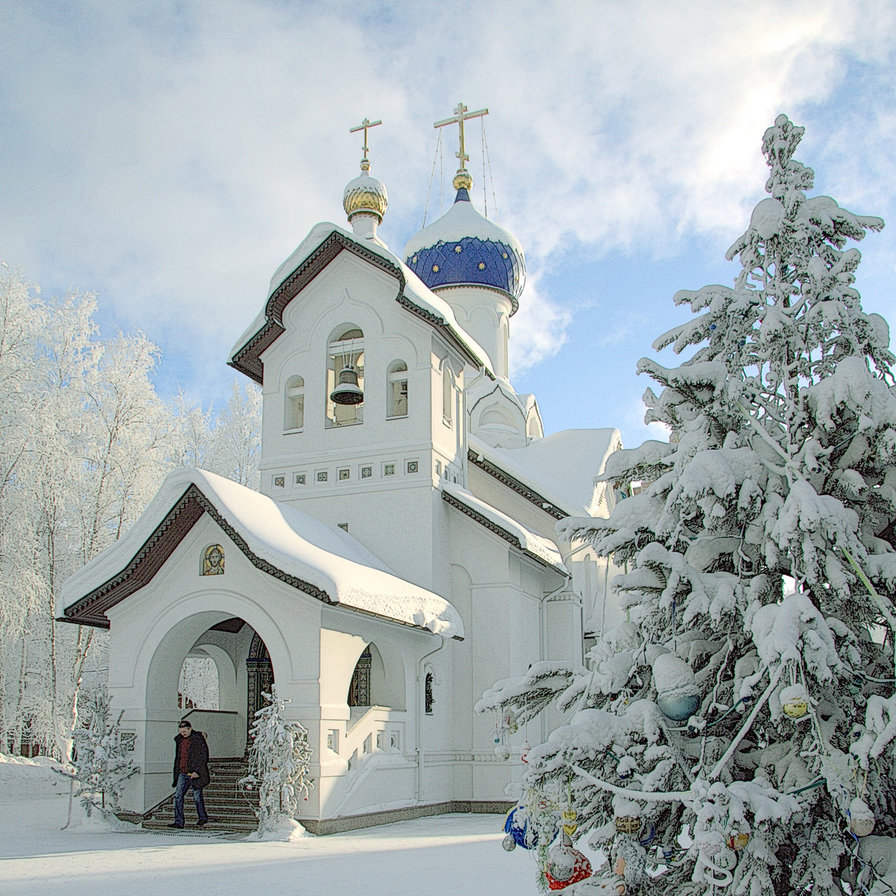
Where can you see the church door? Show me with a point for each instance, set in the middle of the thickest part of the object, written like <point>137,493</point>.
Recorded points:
<point>261,679</point>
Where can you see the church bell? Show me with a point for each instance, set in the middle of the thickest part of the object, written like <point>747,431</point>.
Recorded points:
<point>347,390</point>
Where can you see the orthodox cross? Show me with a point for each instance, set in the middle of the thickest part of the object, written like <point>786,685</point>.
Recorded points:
<point>365,126</point>
<point>460,116</point>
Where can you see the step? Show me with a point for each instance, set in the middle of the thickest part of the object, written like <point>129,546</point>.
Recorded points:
<point>226,801</point>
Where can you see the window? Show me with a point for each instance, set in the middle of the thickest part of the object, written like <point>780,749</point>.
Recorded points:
<point>397,389</point>
<point>345,377</point>
<point>447,395</point>
<point>428,701</point>
<point>294,404</point>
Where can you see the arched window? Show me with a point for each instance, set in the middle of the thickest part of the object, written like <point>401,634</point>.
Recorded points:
<point>294,404</point>
<point>345,377</point>
<point>447,395</point>
<point>359,688</point>
<point>397,389</point>
<point>428,701</point>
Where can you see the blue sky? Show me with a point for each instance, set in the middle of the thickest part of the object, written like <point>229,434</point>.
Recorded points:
<point>170,155</point>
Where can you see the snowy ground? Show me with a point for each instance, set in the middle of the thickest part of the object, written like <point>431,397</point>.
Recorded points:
<point>439,856</point>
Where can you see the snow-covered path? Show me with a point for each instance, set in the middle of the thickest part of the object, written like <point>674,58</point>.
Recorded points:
<point>439,856</point>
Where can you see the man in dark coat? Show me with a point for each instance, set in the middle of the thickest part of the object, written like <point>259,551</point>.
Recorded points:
<point>190,769</point>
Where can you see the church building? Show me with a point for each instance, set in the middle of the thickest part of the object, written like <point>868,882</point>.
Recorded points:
<point>401,554</point>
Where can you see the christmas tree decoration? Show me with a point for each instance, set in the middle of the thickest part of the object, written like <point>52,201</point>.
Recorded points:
<point>627,824</point>
<point>524,751</point>
<point>678,696</point>
<point>565,865</point>
<point>794,701</point>
<point>861,818</point>
<point>568,817</point>
<point>519,831</point>
<point>738,839</point>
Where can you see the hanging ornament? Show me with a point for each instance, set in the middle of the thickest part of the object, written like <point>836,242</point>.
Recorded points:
<point>566,865</point>
<point>626,815</point>
<point>518,831</point>
<point>524,751</point>
<point>861,818</point>
<point>502,752</point>
<point>738,839</point>
<point>627,824</point>
<point>569,817</point>
<point>794,701</point>
<point>678,695</point>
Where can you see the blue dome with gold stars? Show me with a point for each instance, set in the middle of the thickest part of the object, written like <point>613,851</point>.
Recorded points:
<point>463,248</point>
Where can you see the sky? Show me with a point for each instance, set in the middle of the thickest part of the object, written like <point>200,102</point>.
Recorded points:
<point>168,156</point>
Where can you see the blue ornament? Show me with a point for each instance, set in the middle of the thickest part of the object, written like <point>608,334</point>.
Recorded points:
<point>517,826</point>
<point>678,708</point>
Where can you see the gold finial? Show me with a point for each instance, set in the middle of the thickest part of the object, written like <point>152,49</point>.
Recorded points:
<point>462,180</point>
<point>365,126</point>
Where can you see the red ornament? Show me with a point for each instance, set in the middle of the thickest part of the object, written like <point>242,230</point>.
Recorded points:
<point>566,866</point>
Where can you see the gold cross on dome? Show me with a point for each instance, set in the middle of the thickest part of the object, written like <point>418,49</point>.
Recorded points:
<point>460,116</point>
<point>365,126</point>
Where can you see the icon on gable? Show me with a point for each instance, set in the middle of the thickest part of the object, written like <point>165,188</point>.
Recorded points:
<point>213,561</point>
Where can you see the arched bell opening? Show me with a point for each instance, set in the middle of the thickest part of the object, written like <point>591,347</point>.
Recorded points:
<point>345,376</point>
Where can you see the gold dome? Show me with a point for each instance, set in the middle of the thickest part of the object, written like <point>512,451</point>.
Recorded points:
<point>463,180</point>
<point>365,194</point>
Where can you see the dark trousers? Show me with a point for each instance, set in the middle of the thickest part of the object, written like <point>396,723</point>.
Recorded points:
<point>183,783</point>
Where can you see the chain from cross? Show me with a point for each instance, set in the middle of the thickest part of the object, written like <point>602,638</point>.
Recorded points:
<point>365,126</point>
<point>460,116</point>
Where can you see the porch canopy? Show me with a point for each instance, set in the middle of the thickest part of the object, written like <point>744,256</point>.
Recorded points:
<point>293,547</point>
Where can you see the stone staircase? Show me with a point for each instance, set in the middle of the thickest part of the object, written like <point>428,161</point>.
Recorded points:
<point>231,808</point>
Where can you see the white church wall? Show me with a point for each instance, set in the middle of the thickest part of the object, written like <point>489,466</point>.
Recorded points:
<point>498,593</point>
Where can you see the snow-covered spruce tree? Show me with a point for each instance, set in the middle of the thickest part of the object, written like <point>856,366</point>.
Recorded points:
<point>279,761</point>
<point>738,730</point>
<point>100,763</point>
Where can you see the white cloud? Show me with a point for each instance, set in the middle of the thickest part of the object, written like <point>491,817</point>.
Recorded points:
<point>171,155</point>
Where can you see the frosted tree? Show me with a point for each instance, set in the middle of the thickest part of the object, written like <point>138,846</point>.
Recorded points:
<point>100,762</point>
<point>279,761</point>
<point>738,730</point>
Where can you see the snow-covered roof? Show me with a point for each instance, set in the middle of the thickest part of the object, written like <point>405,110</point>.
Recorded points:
<point>527,540</point>
<point>321,560</point>
<point>560,468</point>
<point>322,244</point>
